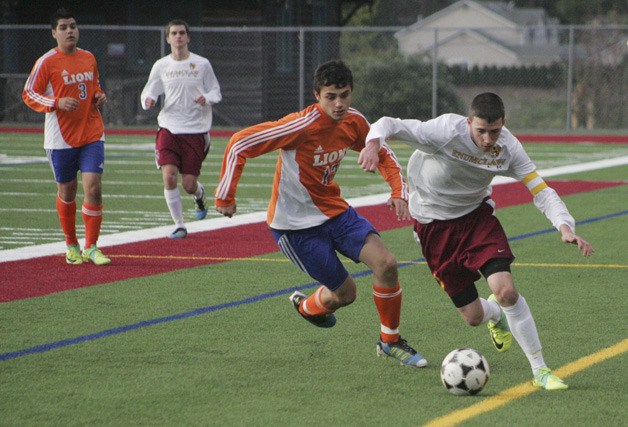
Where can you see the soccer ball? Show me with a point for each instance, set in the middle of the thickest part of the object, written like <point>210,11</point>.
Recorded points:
<point>464,371</point>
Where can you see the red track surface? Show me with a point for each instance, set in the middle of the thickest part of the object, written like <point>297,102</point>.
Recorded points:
<point>50,274</point>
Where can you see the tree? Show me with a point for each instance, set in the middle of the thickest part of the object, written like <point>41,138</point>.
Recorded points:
<point>399,87</point>
<point>582,11</point>
<point>406,12</point>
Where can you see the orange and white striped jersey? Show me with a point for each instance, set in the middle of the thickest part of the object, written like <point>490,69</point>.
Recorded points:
<point>311,146</point>
<point>58,75</point>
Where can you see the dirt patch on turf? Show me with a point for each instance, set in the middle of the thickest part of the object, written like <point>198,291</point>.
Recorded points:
<point>50,274</point>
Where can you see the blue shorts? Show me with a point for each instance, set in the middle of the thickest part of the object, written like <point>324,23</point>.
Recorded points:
<point>67,162</point>
<point>313,250</point>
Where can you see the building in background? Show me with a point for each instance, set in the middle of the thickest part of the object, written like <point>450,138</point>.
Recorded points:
<point>475,33</point>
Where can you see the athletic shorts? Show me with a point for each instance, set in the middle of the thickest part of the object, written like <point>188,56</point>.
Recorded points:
<point>314,249</point>
<point>67,162</point>
<point>456,249</point>
<point>185,151</point>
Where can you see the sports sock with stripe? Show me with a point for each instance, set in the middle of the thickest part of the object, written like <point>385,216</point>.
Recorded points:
<point>92,218</point>
<point>388,303</point>
<point>313,305</point>
<point>67,218</point>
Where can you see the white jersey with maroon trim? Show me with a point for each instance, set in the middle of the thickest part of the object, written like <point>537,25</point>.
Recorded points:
<point>182,82</point>
<point>449,175</point>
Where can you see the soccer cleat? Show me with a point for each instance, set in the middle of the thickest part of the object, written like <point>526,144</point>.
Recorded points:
<point>500,331</point>
<point>322,321</point>
<point>95,255</point>
<point>544,378</point>
<point>401,351</point>
<point>201,206</point>
<point>179,233</point>
<point>73,254</point>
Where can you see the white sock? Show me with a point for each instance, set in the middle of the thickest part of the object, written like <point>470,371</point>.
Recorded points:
<point>492,311</point>
<point>524,331</point>
<point>173,200</point>
<point>200,190</point>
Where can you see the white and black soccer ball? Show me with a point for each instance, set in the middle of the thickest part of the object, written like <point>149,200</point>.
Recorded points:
<point>464,371</point>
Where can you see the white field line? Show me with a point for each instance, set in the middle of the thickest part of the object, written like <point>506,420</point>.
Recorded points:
<point>250,218</point>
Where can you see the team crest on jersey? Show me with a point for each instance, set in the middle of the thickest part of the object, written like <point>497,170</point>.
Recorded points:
<point>495,150</point>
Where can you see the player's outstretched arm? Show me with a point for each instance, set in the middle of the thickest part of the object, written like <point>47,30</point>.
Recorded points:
<point>568,236</point>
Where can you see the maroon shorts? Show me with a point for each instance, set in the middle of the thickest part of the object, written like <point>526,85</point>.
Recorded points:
<point>185,151</point>
<point>456,249</point>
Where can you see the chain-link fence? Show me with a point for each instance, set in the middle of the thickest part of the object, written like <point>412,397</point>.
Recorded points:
<point>575,77</point>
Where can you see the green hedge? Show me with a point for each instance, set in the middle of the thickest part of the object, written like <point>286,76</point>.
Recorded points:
<point>547,76</point>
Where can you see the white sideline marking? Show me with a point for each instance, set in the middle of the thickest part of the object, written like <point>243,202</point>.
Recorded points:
<point>46,249</point>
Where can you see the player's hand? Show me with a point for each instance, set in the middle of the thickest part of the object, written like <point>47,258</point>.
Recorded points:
<point>568,236</point>
<point>227,211</point>
<point>200,100</point>
<point>68,104</point>
<point>149,103</point>
<point>100,99</point>
<point>401,209</point>
<point>369,156</point>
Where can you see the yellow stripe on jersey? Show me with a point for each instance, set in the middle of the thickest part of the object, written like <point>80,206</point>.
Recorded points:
<point>534,183</point>
<point>529,178</point>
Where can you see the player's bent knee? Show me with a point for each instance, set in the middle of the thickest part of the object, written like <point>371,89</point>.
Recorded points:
<point>345,294</point>
<point>506,295</point>
<point>387,267</point>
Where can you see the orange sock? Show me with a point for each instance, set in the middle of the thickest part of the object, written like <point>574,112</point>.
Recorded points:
<point>92,218</point>
<point>313,306</point>
<point>388,303</point>
<point>67,217</point>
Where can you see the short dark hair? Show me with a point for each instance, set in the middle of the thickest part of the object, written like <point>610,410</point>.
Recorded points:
<point>488,106</point>
<point>177,22</point>
<point>334,73</point>
<point>60,14</point>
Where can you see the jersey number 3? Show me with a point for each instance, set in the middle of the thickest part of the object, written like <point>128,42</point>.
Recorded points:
<point>83,88</point>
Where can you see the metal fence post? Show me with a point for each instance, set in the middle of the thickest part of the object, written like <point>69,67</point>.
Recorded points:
<point>162,32</point>
<point>569,77</point>
<point>301,68</point>
<point>435,74</point>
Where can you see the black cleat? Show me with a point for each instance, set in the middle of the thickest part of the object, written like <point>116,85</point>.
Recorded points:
<point>322,321</point>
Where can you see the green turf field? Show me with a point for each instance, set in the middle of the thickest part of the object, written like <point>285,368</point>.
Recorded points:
<point>222,345</point>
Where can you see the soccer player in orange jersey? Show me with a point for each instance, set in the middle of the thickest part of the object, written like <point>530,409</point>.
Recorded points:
<point>64,85</point>
<point>307,216</point>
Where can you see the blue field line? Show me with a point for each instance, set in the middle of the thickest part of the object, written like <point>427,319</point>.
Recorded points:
<point>551,230</point>
<point>122,329</point>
